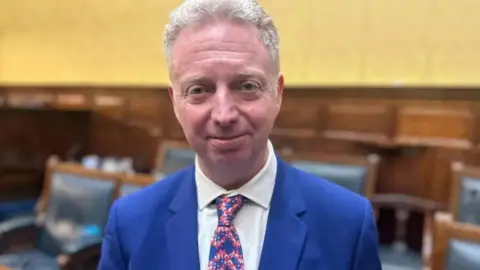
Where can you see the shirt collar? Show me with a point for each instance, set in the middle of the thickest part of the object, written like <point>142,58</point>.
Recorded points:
<point>258,190</point>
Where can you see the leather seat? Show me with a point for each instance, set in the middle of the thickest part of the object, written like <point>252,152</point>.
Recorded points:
<point>177,158</point>
<point>463,255</point>
<point>469,204</point>
<point>16,208</point>
<point>76,213</point>
<point>352,177</point>
<point>29,260</point>
<point>393,259</point>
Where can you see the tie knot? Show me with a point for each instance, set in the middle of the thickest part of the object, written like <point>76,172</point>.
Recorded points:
<point>227,208</point>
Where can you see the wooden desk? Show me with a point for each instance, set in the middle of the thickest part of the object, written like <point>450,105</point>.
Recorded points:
<point>4,268</point>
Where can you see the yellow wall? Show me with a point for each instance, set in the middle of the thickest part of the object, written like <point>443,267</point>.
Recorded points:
<point>83,41</point>
<point>322,41</point>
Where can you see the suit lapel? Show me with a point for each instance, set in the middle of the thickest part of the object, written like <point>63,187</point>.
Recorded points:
<point>182,228</point>
<point>286,232</point>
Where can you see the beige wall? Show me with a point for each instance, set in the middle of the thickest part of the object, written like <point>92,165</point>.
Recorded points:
<point>419,42</point>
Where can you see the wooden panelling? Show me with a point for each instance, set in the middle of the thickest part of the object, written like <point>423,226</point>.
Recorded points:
<point>112,106</point>
<point>435,126</point>
<point>146,111</point>
<point>129,122</point>
<point>28,137</point>
<point>299,123</point>
<point>72,100</point>
<point>356,121</point>
<point>416,131</point>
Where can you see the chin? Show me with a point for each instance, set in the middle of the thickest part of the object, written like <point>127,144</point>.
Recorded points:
<point>231,157</point>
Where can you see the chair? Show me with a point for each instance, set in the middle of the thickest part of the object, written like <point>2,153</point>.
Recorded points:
<point>465,194</point>
<point>398,256</point>
<point>11,209</point>
<point>359,174</point>
<point>356,173</point>
<point>464,202</point>
<point>134,182</point>
<point>68,228</point>
<point>456,246</point>
<point>173,156</point>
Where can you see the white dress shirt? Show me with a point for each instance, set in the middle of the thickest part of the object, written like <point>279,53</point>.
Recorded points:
<point>251,220</point>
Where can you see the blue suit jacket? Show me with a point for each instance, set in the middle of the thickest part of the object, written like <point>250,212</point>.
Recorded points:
<point>313,224</point>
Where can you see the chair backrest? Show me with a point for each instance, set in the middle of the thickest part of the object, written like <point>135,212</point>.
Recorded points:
<point>465,194</point>
<point>357,173</point>
<point>455,245</point>
<point>135,182</point>
<point>75,201</point>
<point>173,156</point>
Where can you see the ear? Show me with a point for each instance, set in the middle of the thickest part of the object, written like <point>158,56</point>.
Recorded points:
<point>280,87</point>
<point>170,91</point>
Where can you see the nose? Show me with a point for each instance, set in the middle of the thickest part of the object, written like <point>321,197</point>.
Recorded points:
<point>224,111</point>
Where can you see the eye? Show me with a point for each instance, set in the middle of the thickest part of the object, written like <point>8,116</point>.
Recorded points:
<point>249,86</point>
<point>196,90</point>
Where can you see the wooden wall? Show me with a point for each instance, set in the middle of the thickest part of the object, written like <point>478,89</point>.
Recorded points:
<point>28,137</point>
<point>416,131</point>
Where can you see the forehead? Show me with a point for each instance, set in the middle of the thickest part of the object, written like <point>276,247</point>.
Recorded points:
<point>214,43</point>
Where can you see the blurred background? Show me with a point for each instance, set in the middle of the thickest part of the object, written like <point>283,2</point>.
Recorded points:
<point>382,97</point>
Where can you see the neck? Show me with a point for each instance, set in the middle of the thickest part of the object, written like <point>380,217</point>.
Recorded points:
<point>236,175</point>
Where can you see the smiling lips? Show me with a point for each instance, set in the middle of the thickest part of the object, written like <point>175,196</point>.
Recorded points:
<point>227,143</point>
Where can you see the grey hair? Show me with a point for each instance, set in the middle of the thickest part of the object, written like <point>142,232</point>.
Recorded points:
<point>246,11</point>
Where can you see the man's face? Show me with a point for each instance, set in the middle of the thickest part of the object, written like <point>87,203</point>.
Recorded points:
<point>225,92</point>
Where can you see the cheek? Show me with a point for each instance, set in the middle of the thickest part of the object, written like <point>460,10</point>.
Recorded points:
<point>192,119</point>
<point>261,116</point>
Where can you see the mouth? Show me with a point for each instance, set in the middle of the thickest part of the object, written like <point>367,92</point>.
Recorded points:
<point>227,143</point>
<point>226,138</point>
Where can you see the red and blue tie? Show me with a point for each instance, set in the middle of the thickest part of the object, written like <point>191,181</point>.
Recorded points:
<point>225,249</point>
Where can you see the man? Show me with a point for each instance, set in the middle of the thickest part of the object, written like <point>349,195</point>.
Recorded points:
<point>240,206</point>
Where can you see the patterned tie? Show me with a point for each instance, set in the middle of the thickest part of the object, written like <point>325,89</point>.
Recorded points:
<point>226,250</point>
